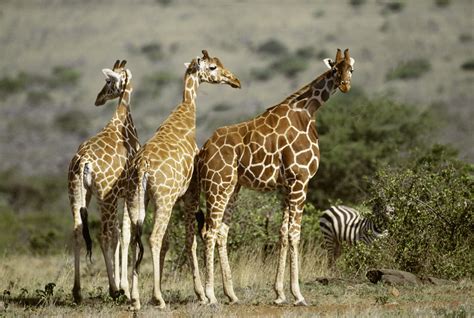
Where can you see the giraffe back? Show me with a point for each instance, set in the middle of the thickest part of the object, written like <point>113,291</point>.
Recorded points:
<point>280,143</point>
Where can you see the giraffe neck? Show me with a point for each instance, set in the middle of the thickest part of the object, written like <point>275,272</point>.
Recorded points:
<point>315,94</point>
<point>122,113</point>
<point>191,84</point>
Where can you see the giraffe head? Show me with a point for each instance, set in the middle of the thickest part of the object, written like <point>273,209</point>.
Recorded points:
<point>342,68</point>
<point>116,80</point>
<point>211,70</point>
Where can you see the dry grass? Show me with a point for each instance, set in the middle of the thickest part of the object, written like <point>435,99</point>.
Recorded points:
<point>253,283</point>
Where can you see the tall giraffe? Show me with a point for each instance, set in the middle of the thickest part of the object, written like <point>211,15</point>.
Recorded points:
<point>162,169</point>
<point>99,168</point>
<point>277,149</point>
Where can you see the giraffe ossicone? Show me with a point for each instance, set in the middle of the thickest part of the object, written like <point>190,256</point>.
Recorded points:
<point>278,149</point>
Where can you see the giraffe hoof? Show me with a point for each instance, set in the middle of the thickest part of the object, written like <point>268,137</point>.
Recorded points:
<point>235,301</point>
<point>213,305</point>
<point>280,301</point>
<point>204,301</point>
<point>301,302</point>
<point>158,303</point>
<point>135,305</point>
<point>76,295</point>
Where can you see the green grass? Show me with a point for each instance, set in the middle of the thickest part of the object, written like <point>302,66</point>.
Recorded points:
<point>410,69</point>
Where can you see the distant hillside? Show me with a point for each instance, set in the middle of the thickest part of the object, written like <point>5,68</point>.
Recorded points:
<point>420,52</point>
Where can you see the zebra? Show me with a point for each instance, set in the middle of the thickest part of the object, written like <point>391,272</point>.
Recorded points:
<point>341,223</point>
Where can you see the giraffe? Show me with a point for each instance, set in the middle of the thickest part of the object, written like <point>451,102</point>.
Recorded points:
<point>99,168</point>
<point>162,169</point>
<point>275,150</point>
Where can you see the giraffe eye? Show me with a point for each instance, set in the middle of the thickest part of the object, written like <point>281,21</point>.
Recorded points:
<point>212,67</point>
<point>352,70</point>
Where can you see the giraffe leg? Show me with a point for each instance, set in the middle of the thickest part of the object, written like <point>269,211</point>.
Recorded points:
<point>137,201</point>
<point>225,267</point>
<point>164,249</point>
<point>162,216</point>
<point>215,213</point>
<point>280,274</point>
<point>222,248</point>
<point>116,246</point>
<point>76,290</point>
<point>191,207</point>
<point>108,219</point>
<point>79,199</point>
<point>135,295</point>
<point>125,244</point>
<point>210,242</point>
<point>296,213</point>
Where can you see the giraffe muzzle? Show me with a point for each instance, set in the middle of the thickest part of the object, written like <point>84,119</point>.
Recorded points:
<point>345,86</point>
<point>235,83</point>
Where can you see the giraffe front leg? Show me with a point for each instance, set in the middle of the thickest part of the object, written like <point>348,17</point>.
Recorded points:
<point>280,274</point>
<point>125,244</point>
<point>210,242</point>
<point>225,267</point>
<point>116,247</point>
<point>296,213</point>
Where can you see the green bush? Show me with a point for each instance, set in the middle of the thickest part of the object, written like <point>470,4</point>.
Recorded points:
<point>357,137</point>
<point>152,84</point>
<point>262,73</point>
<point>272,47</point>
<point>13,85</point>
<point>409,69</point>
<point>468,65</point>
<point>465,37</point>
<point>431,231</point>
<point>289,65</point>
<point>393,6</point>
<point>357,3</point>
<point>73,121</point>
<point>442,3</point>
<point>63,76</point>
<point>152,51</point>
<point>222,107</point>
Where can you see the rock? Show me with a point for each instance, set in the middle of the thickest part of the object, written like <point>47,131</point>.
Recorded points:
<point>392,277</point>
<point>395,292</point>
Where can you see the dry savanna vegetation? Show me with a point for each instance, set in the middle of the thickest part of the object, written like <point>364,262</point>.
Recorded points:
<point>401,137</point>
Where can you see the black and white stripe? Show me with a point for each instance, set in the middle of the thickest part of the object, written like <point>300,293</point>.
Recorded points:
<point>344,224</point>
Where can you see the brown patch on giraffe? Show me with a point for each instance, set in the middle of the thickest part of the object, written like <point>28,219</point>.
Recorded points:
<point>320,84</point>
<point>325,95</point>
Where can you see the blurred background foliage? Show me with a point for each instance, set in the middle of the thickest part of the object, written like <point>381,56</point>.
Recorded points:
<point>403,134</point>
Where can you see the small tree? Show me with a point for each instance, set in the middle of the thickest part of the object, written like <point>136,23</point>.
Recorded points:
<point>357,137</point>
<point>432,230</point>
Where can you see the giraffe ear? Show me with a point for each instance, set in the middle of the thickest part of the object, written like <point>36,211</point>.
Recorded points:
<point>352,61</point>
<point>329,63</point>
<point>187,65</point>
<point>111,74</point>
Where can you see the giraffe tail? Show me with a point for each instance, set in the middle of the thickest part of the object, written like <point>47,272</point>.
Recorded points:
<point>142,187</point>
<point>85,180</point>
